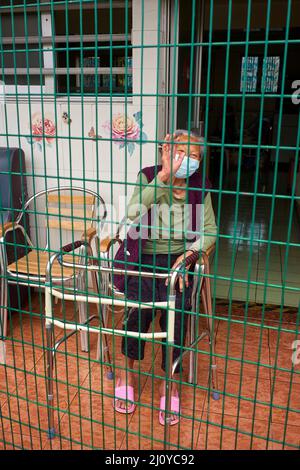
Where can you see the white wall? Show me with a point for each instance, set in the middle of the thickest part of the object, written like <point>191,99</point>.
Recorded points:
<point>103,166</point>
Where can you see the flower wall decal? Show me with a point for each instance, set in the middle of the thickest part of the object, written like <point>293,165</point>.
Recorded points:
<point>42,131</point>
<point>126,131</point>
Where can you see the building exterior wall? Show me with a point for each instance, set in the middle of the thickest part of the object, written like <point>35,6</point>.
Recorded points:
<point>68,155</point>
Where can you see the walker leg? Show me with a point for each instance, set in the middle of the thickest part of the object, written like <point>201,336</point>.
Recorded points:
<point>3,316</point>
<point>168,407</point>
<point>192,379</point>
<point>214,384</point>
<point>213,372</point>
<point>191,330</point>
<point>49,382</point>
<point>207,300</point>
<point>2,352</point>
<point>193,365</point>
<point>102,346</point>
<point>82,309</point>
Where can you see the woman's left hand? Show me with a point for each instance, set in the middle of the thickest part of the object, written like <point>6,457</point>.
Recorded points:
<point>179,260</point>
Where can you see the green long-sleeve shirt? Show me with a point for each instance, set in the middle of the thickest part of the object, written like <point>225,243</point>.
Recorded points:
<point>170,233</point>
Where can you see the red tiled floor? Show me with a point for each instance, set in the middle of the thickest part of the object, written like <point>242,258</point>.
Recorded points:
<point>285,437</point>
<point>243,396</point>
<point>27,415</point>
<point>145,431</point>
<point>89,423</point>
<point>15,441</point>
<point>229,433</point>
<point>85,417</point>
<point>283,368</point>
<point>19,361</point>
<point>242,333</point>
<point>279,339</point>
<point>234,358</point>
<point>286,403</point>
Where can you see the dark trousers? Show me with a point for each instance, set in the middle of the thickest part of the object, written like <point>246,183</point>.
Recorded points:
<point>147,290</point>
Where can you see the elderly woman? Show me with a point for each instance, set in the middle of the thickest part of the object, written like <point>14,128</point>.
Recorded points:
<point>175,182</point>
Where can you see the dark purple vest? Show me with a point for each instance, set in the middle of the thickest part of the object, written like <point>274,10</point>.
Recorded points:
<point>128,254</point>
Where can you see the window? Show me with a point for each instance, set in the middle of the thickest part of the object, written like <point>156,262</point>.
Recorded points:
<point>19,52</point>
<point>262,71</point>
<point>84,48</point>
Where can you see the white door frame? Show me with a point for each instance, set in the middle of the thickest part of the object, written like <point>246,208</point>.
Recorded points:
<point>198,124</point>
<point>171,61</point>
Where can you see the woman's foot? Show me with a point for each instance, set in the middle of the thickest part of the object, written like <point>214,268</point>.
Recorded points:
<point>124,380</point>
<point>174,402</point>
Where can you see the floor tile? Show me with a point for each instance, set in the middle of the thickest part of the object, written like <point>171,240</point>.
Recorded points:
<point>15,441</point>
<point>90,422</point>
<point>283,337</point>
<point>285,402</point>
<point>145,431</point>
<point>234,358</point>
<point>285,437</point>
<point>225,432</point>
<point>243,396</point>
<point>242,333</point>
<point>282,366</point>
<point>28,416</point>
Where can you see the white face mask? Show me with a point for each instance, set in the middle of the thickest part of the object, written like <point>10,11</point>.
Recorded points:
<point>187,168</point>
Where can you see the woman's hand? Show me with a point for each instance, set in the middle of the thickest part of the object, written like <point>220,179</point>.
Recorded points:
<point>179,260</point>
<point>169,164</point>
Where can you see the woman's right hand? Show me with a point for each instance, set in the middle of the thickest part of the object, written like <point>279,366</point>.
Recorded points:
<point>169,166</point>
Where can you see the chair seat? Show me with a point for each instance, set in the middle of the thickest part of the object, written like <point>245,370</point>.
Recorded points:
<point>35,263</point>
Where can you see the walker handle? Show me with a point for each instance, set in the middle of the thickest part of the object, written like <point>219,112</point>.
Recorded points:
<point>191,259</point>
<point>73,246</point>
<point>70,247</point>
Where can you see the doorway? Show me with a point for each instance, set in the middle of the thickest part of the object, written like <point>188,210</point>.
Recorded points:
<point>237,69</point>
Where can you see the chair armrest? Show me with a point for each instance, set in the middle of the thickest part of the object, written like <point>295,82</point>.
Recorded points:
<point>89,234</point>
<point>210,250</point>
<point>5,227</point>
<point>107,242</point>
<point>194,258</point>
<point>207,253</point>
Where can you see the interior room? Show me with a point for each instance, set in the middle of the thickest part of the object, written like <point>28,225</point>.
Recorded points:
<point>253,172</point>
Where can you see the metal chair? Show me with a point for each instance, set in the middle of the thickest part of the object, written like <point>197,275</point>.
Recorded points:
<point>62,211</point>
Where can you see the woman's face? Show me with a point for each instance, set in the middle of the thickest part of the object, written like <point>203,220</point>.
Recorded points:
<point>188,148</point>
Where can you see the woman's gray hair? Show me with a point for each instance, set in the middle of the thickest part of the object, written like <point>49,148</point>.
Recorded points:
<point>193,134</point>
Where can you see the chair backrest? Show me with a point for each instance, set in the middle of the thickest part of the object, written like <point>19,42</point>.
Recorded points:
<point>64,210</point>
<point>70,212</point>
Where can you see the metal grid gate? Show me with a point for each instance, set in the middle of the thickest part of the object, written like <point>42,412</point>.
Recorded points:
<point>89,89</point>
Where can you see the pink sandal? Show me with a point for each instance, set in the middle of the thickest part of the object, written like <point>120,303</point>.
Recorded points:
<point>175,408</point>
<point>126,393</point>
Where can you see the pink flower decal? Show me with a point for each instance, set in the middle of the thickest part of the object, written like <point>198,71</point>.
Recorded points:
<point>126,131</point>
<point>41,131</point>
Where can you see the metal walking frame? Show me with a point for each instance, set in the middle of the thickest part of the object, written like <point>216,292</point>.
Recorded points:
<point>200,290</point>
<point>102,300</point>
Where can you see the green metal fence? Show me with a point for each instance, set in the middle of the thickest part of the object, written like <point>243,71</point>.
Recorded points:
<point>89,91</point>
